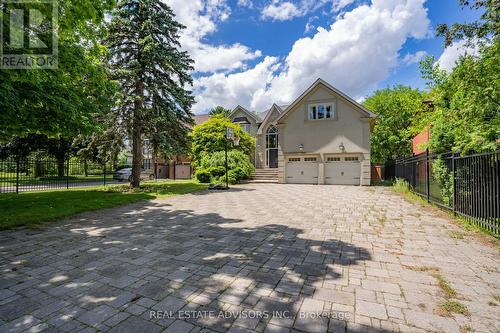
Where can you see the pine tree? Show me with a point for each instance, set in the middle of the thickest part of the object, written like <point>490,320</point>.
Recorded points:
<point>153,72</point>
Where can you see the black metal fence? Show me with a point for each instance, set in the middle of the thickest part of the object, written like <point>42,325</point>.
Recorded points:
<point>468,185</point>
<point>30,174</point>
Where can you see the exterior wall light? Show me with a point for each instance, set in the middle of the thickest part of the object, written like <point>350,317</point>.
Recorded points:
<point>301,147</point>
<point>341,147</point>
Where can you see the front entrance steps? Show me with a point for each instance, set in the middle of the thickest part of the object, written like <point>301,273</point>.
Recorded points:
<point>267,175</point>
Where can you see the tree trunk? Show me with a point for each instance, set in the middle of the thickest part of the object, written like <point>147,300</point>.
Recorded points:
<point>60,166</point>
<point>38,168</point>
<point>136,146</point>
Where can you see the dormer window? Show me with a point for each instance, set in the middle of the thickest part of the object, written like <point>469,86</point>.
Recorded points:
<point>321,111</point>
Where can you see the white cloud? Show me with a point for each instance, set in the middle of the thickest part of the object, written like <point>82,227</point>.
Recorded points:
<point>280,12</point>
<point>201,18</point>
<point>451,54</point>
<point>341,4</point>
<point>354,54</point>
<point>245,3</point>
<point>228,90</point>
<point>414,58</point>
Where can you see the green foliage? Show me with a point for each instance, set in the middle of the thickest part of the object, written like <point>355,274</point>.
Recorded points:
<point>486,28</point>
<point>239,165</point>
<point>203,175</point>
<point>210,137</point>
<point>219,110</point>
<point>400,185</point>
<point>153,72</point>
<point>396,108</point>
<point>444,178</point>
<point>467,103</point>
<point>217,171</point>
<point>65,101</point>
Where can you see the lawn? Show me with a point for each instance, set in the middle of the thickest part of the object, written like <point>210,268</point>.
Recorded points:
<point>31,208</point>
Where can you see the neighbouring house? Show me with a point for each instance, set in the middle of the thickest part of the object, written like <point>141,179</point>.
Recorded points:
<point>176,167</point>
<point>422,138</point>
<point>322,137</point>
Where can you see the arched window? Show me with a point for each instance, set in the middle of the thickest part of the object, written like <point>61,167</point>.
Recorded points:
<point>272,147</point>
<point>272,137</point>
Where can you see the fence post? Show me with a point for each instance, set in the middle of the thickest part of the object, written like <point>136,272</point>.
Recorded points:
<point>17,174</point>
<point>427,171</point>
<point>104,173</point>
<point>67,173</point>
<point>454,190</point>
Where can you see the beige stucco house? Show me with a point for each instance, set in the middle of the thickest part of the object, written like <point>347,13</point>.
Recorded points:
<point>323,137</point>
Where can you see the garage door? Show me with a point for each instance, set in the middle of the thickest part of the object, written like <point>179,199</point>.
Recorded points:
<point>344,170</point>
<point>302,170</point>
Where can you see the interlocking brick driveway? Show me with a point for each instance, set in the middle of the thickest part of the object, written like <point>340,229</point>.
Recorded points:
<point>300,251</point>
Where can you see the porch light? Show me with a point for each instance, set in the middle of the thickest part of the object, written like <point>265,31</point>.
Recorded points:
<point>301,147</point>
<point>341,147</point>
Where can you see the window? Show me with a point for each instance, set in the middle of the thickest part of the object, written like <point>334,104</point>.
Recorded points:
<point>294,159</point>
<point>321,111</point>
<point>245,127</point>
<point>333,159</point>
<point>146,164</point>
<point>272,137</point>
<point>351,158</point>
<point>309,159</point>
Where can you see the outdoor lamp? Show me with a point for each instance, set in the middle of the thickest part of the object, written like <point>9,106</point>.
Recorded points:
<point>301,147</point>
<point>341,147</point>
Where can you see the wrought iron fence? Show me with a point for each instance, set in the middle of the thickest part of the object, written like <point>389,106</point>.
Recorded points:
<point>468,185</point>
<point>30,174</point>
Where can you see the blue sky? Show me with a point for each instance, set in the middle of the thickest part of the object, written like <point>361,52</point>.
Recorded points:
<point>254,53</point>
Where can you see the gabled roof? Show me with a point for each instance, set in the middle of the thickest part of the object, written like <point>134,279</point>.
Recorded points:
<point>328,86</point>
<point>268,115</point>
<point>241,120</point>
<point>248,113</point>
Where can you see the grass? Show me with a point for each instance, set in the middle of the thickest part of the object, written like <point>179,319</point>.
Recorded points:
<point>9,179</point>
<point>445,286</point>
<point>32,208</point>
<point>451,306</point>
<point>401,186</point>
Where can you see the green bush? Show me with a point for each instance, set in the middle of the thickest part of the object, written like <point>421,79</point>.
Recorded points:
<point>209,137</point>
<point>238,173</point>
<point>401,185</point>
<point>203,175</point>
<point>217,171</point>
<point>239,164</point>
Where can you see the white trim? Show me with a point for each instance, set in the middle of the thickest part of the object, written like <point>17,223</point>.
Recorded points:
<point>268,115</point>
<point>248,113</point>
<point>357,106</point>
<point>326,104</point>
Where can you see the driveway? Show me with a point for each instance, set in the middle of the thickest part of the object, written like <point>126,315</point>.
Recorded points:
<point>261,257</point>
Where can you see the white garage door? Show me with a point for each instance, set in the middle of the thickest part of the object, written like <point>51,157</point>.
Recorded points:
<point>342,170</point>
<point>301,170</point>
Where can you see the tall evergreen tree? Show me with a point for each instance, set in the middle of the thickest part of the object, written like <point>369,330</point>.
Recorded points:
<point>153,72</point>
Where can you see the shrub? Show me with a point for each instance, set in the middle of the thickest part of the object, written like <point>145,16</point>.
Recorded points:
<point>209,138</point>
<point>236,160</point>
<point>238,173</point>
<point>203,175</point>
<point>401,185</point>
<point>217,171</point>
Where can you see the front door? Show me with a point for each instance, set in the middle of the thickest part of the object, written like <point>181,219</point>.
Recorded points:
<point>272,147</point>
<point>272,157</point>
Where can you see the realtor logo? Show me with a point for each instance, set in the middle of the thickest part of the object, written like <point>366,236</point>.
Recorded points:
<point>28,34</point>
